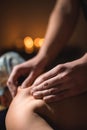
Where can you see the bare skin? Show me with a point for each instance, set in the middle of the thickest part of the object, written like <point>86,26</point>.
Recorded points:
<point>61,25</point>
<point>27,70</point>
<point>63,81</point>
<point>27,113</point>
<point>26,118</point>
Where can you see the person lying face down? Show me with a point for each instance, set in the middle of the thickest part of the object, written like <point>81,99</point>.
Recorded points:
<point>27,113</point>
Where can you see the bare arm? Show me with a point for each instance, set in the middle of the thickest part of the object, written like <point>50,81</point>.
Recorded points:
<point>60,27</point>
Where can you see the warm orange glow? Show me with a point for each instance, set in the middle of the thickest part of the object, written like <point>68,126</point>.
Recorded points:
<point>38,42</point>
<point>28,42</point>
<point>41,42</point>
<point>31,50</point>
<point>29,46</point>
<point>19,43</point>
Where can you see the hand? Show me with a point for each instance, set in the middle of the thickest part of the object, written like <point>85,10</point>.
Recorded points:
<point>24,74</point>
<point>63,81</point>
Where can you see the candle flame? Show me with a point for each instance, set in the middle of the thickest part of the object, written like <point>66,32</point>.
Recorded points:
<point>29,46</point>
<point>38,42</point>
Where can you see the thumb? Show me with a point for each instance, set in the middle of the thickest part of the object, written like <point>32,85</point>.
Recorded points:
<point>29,80</point>
<point>12,90</point>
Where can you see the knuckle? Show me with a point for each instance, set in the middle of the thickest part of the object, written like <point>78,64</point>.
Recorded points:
<point>37,81</point>
<point>42,78</point>
<point>8,83</point>
<point>61,67</point>
<point>16,68</point>
<point>51,90</point>
<point>45,85</point>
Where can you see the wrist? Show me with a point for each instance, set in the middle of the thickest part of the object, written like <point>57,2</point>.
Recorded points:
<point>82,61</point>
<point>85,58</point>
<point>41,60</point>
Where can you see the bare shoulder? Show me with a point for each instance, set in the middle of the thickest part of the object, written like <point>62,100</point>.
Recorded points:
<point>68,113</point>
<point>23,109</point>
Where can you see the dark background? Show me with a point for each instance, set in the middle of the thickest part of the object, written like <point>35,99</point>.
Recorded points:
<point>21,18</point>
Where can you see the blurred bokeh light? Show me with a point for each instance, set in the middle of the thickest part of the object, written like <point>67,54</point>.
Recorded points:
<point>29,46</point>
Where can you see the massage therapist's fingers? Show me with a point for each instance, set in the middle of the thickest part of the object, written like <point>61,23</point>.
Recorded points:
<point>44,77</point>
<point>13,77</point>
<point>67,93</point>
<point>29,80</point>
<point>55,90</point>
<point>48,75</point>
<point>12,81</point>
<point>41,94</point>
<point>51,83</point>
<point>12,90</point>
<point>58,97</point>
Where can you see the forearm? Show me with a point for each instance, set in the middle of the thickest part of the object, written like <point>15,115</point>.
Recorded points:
<point>61,25</point>
<point>83,62</point>
<point>80,62</point>
<point>85,58</point>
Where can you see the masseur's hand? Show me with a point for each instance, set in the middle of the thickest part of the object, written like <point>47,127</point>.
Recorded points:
<point>63,81</point>
<point>24,74</point>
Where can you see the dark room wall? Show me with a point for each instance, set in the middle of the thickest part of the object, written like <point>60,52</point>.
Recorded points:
<point>19,18</point>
